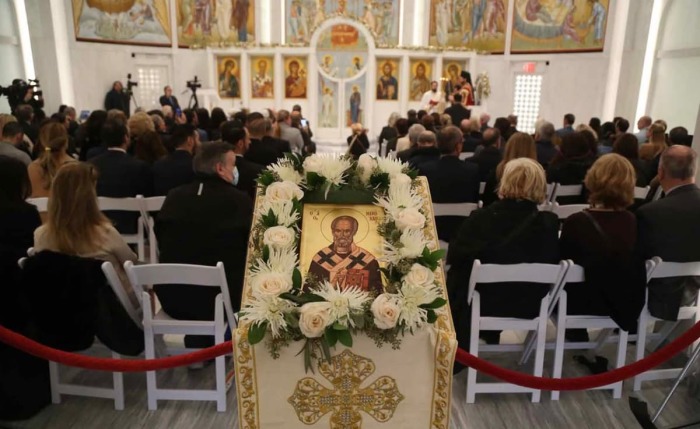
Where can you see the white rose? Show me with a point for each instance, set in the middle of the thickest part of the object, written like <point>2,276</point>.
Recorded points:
<point>367,164</point>
<point>314,317</point>
<point>385,310</point>
<point>287,173</point>
<point>272,284</point>
<point>420,276</point>
<point>312,164</point>
<point>400,179</point>
<point>283,191</point>
<point>409,219</point>
<point>279,237</point>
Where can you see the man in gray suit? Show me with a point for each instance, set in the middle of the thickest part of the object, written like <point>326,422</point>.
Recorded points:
<point>289,133</point>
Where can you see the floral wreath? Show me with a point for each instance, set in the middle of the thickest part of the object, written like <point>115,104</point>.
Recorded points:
<point>290,308</point>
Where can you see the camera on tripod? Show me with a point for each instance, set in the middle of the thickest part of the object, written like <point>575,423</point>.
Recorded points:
<point>130,84</point>
<point>17,92</point>
<point>194,84</point>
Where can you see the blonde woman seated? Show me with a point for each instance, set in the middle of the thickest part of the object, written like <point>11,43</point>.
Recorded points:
<point>519,145</point>
<point>75,225</point>
<point>509,231</point>
<point>54,141</point>
<point>602,239</point>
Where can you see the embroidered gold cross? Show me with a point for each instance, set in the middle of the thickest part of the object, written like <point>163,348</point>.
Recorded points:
<point>346,372</point>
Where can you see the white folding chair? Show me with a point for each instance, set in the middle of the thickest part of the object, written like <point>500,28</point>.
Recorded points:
<point>391,154</point>
<point>58,388</point>
<point>465,155</point>
<point>161,323</point>
<point>564,321</point>
<point>659,269</point>
<point>148,206</point>
<point>41,203</point>
<point>567,210</point>
<point>482,188</point>
<point>641,193</point>
<point>454,209</point>
<point>131,204</point>
<point>115,283</point>
<point>549,274</point>
<point>565,191</point>
<point>551,187</point>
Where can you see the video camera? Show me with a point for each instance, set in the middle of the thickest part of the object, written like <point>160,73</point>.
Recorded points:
<point>130,84</point>
<point>17,92</point>
<point>194,84</point>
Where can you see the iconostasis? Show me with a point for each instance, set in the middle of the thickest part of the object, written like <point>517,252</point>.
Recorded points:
<point>343,61</point>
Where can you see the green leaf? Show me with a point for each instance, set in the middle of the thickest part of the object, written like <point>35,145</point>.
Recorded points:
<point>314,180</point>
<point>379,181</point>
<point>426,252</point>
<point>292,320</point>
<point>331,336</point>
<point>296,279</point>
<point>265,253</point>
<point>266,178</point>
<point>437,303</point>
<point>432,317</point>
<point>345,338</point>
<point>326,350</point>
<point>303,298</point>
<point>412,173</point>
<point>337,326</point>
<point>256,332</point>
<point>438,254</point>
<point>307,357</point>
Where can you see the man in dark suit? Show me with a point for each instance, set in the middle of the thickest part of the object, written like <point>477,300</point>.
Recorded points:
<point>248,171</point>
<point>176,168</point>
<point>413,132</point>
<point>426,151</point>
<point>490,154</point>
<point>202,223</point>
<point>116,99</point>
<point>168,99</point>
<point>120,175</point>
<point>668,228</point>
<point>568,127</point>
<point>457,111</point>
<point>546,151</point>
<point>450,179</point>
<point>263,150</point>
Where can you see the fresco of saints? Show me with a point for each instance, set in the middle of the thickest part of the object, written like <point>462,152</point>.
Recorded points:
<point>327,103</point>
<point>355,102</point>
<point>327,66</point>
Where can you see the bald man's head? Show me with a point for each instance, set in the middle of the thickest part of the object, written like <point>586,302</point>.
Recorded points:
<point>677,167</point>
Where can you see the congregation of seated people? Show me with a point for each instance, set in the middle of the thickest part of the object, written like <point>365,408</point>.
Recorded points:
<point>206,164</point>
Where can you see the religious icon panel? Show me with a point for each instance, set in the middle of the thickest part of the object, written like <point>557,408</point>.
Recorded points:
<point>328,100</point>
<point>419,81</point>
<point>354,93</point>
<point>295,79</point>
<point>229,76</point>
<point>387,79</point>
<point>341,244</point>
<point>341,51</point>
<point>261,72</point>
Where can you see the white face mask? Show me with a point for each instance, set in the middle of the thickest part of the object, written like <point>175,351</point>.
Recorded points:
<point>236,176</point>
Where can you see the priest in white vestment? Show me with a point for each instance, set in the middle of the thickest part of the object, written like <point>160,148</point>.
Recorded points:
<point>431,98</point>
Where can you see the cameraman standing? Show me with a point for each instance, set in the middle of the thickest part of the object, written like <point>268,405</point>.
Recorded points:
<point>117,99</point>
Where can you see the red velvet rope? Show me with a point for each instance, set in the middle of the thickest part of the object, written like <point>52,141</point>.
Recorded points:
<point>138,365</point>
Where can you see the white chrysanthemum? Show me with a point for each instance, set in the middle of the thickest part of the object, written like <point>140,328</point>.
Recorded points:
<point>411,245</point>
<point>280,261</point>
<point>366,165</point>
<point>284,210</point>
<point>333,168</point>
<point>285,170</point>
<point>392,167</point>
<point>270,309</point>
<point>343,302</point>
<point>399,198</point>
<point>411,297</point>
